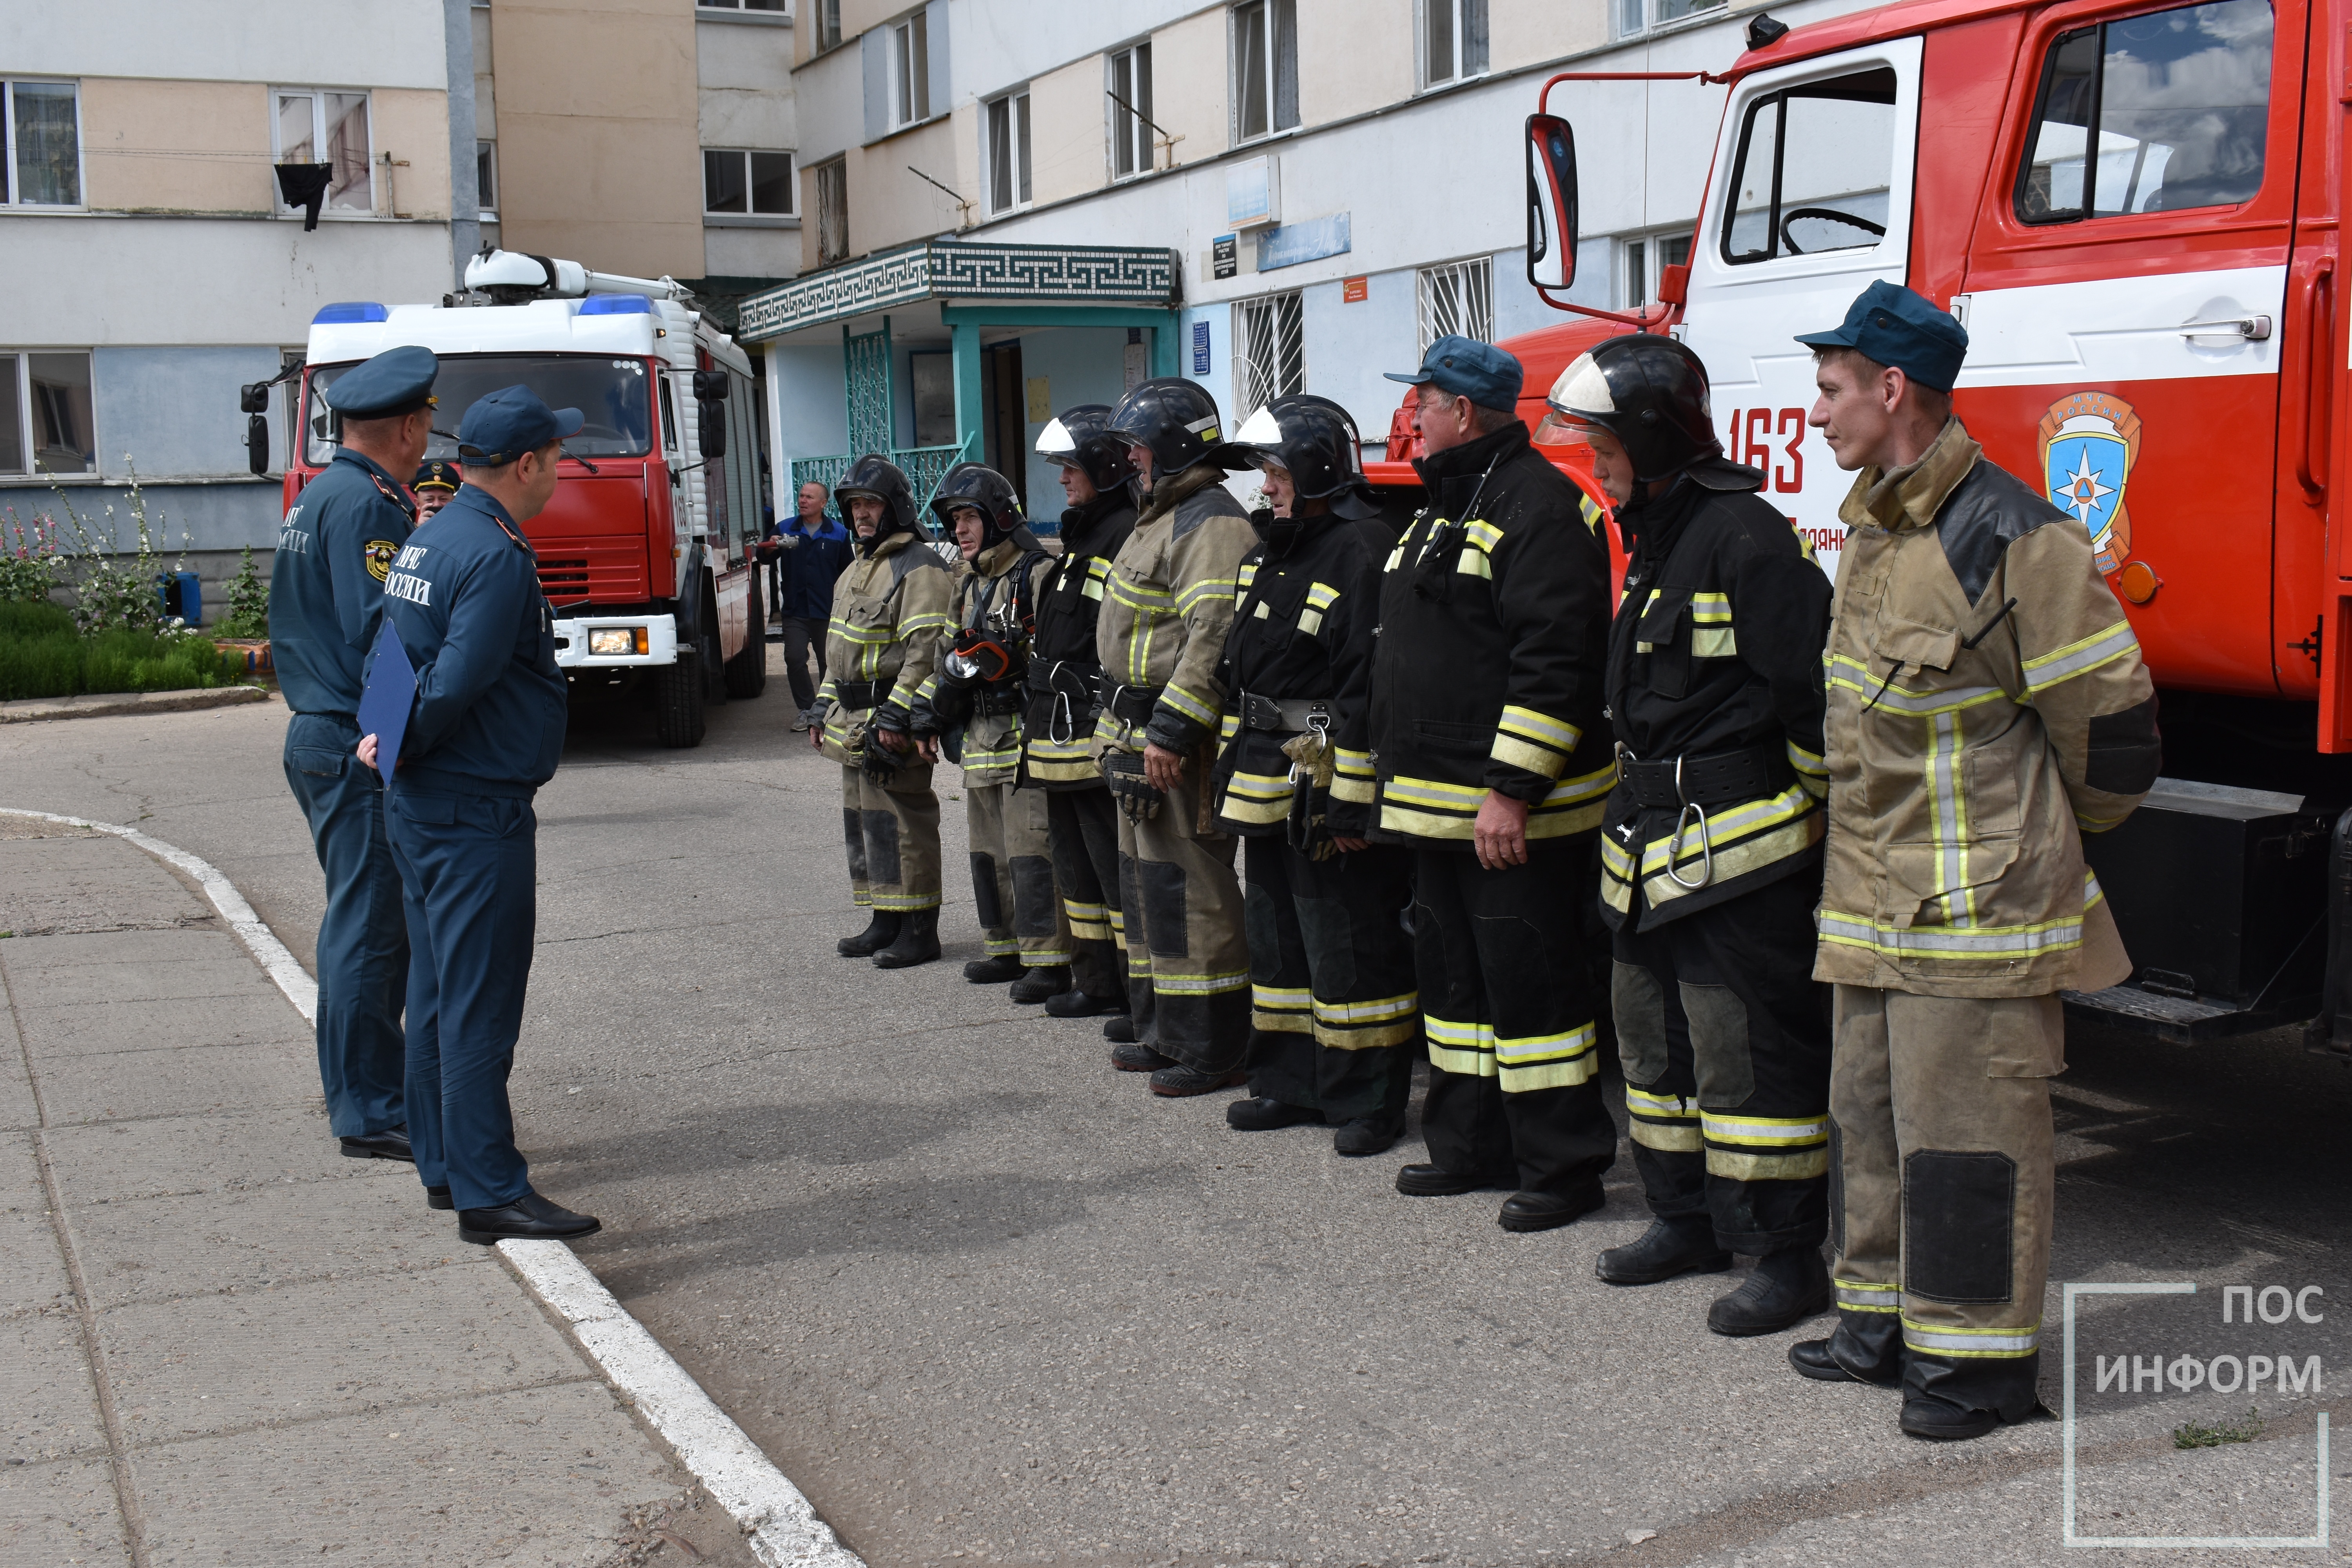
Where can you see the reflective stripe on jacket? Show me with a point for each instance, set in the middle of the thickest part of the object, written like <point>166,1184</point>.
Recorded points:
<point>889,613</point>
<point>1166,609</point>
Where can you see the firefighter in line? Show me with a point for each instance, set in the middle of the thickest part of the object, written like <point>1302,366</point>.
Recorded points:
<point>890,612</point>
<point>977,683</point>
<point>434,483</point>
<point>326,602</point>
<point>1986,707</point>
<point>1333,1023</point>
<point>1169,604</point>
<point>1490,761</point>
<point>1710,852</point>
<point>1064,701</point>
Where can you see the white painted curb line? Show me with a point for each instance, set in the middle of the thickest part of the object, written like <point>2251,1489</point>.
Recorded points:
<point>782,1528</point>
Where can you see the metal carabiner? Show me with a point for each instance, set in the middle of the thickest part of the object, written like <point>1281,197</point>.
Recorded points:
<point>1319,723</point>
<point>1682,826</point>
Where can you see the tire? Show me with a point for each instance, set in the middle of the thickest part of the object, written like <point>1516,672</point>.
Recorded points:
<point>747,672</point>
<point>714,671</point>
<point>678,701</point>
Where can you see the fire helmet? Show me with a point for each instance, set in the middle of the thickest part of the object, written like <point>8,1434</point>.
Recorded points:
<point>1080,439</point>
<point>875,475</point>
<point>1315,442</point>
<point>1650,392</point>
<point>1175,419</point>
<point>983,489</point>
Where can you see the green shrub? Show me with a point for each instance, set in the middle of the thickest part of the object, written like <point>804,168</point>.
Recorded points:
<point>248,604</point>
<point>41,655</point>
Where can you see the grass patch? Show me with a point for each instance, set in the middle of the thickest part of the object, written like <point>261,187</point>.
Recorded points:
<point>41,655</point>
<point>2189,1435</point>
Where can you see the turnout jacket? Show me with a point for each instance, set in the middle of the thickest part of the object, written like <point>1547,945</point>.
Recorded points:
<point>1715,652</point>
<point>986,601</point>
<point>326,582</point>
<point>1986,707</point>
<point>1488,664</point>
<point>1168,604</point>
<point>1302,630</point>
<point>1064,657</point>
<point>890,609</point>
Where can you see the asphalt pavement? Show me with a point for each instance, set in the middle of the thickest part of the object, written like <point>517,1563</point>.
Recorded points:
<point>985,1299</point>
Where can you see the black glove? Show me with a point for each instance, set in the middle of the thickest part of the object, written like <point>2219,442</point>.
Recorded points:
<point>1136,795</point>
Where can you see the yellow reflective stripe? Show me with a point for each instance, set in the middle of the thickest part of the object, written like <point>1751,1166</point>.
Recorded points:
<point>1711,609</point>
<point>1514,753</point>
<point>1526,1050</point>
<point>1481,534</point>
<point>1728,827</point>
<point>902,694</point>
<point>1135,596</point>
<point>2078,658</point>
<point>848,631</point>
<point>1310,620</point>
<point>1092,588</point>
<point>999,946</point>
<point>1464,1049</point>
<point>1641,1102</point>
<point>1764,1132</point>
<point>1474,563</point>
<point>1942,1340</point>
<point>1714,642</point>
<point>1248,574</point>
<point>1358,764</point>
<point>1861,1296</point>
<point>1746,1165</point>
<point>1322,595</point>
<point>1381,1010</point>
<point>1184,703</point>
<point>903,901</point>
<point>1806,762</point>
<point>1615,861</point>
<point>1260,786</point>
<point>1202,983</point>
<point>1528,724</point>
<point>1668,1122</point>
<point>1549,1073</point>
<point>1981,942</point>
<point>1437,792</point>
<point>1668,1138</point>
<point>1594,785</point>
<point>1590,511</point>
<point>923,623</point>
<point>1355,791</point>
<point>1852,675</point>
<point>1206,588</point>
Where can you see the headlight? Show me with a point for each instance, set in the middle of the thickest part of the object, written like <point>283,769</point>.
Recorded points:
<point>612,639</point>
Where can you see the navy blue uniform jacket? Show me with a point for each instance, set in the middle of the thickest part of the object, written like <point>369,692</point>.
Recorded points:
<point>463,596</point>
<point>326,584</point>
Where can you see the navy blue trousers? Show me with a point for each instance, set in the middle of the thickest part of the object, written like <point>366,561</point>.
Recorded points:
<point>467,872</point>
<point>362,954</point>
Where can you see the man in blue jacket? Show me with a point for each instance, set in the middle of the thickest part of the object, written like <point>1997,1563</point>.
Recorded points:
<point>485,732</point>
<point>810,551</point>
<point>326,600</point>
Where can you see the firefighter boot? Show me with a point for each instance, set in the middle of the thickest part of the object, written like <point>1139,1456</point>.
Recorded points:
<point>1076,1003</point>
<point>1866,1348</point>
<point>1260,1114</point>
<point>1786,1288</point>
<point>1041,984</point>
<point>1683,1245</point>
<point>918,942</point>
<point>994,969</point>
<point>879,934</point>
<point>1120,1029</point>
<point>1530,1211</point>
<point>1950,1401</point>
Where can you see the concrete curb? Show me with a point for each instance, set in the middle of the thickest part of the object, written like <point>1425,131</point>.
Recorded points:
<point>107,704</point>
<point>775,1515</point>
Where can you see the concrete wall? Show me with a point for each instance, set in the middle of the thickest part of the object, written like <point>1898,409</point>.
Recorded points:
<point>1354,56</point>
<point>380,43</point>
<point>1069,134</point>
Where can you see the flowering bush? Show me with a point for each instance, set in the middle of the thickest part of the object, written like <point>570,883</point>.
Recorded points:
<point>30,564</point>
<point>114,589</point>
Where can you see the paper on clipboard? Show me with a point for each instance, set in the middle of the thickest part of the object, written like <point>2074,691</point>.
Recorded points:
<point>391,693</point>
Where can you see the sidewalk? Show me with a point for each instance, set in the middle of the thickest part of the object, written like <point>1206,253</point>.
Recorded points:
<point>220,1341</point>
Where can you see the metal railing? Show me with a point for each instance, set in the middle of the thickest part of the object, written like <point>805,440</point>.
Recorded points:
<point>924,466</point>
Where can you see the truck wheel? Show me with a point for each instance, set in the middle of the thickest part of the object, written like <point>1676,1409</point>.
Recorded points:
<point>747,672</point>
<point>678,701</point>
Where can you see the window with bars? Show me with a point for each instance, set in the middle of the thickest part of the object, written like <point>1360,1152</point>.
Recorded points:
<point>1269,351</point>
<point>1008,152</point>
<point>1646,260</point>
<point>1266,66</point>
<point>40,144</point>
<point>832,212</point>
<point>743,182</point>
<point>44,414</point>
<point>315,126</point>
<point>1457,298</point>
<point>1452,40</point>
<point>911,70</point>
<point>1131,111</point>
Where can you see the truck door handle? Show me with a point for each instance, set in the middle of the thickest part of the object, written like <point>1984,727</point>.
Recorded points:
<point>2253,329</point>
<point>2318,374</point>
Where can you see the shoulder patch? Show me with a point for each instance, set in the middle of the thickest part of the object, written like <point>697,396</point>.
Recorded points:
<point>380,552</point>
<point>1986,513</point>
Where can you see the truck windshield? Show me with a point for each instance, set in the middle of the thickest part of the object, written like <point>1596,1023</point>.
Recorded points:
<point>614,396</point>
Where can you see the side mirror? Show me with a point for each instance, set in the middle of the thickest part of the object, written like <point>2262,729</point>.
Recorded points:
<point>1551,202</point>
<point>710,425</point>
<point>256,444</point>
<point>253,398</point>
<point>1674,285</point>
<point>710,386</point>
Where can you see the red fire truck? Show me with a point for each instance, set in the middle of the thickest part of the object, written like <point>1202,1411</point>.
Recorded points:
<point>645,554</point>
<point>2132,205</point>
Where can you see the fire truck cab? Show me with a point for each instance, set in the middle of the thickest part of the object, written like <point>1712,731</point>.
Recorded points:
<point>646,552</point>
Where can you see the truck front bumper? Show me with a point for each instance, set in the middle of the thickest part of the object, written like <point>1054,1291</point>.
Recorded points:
<point>606,642</point>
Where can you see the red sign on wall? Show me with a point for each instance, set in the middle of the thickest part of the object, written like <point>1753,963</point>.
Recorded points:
<point>1355,290</point>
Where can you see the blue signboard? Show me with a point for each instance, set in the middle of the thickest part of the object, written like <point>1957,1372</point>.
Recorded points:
<point>1312,240</point>
<point>1200,348</point>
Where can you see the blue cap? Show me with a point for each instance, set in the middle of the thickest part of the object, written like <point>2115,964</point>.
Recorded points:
<point>397,381</point>
<point>507,422</point>
<point>1468,368</point>
<point>1889,323</point>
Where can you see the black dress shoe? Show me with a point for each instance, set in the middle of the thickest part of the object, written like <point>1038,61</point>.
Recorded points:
<point>439,1198</point>
<point>392,1144</point>
<point>1119,1031</point>
<point>1664,1250</point>
<point>1939,1422</point>
<point>1041,983</point>
<point>1133,1058</point>
<point>1365,1135</point>
<point>880,931</point>
<point>1259,1115</point>
<point>1821,1360</point>
<point>1437,1182</point>
<point>1787,1288</point>
<point>529,1218</point>
<point>994,971</point>
<point>1179,1082</point>
<point>1548,1211</point>
<point>1075,1003</point>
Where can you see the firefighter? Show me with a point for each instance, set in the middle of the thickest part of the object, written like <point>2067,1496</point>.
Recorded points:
<point>889,611</point>
<point>1710,852</point>
<point>1333,1023</point>
<point>1986,707</point>
<point>978,683</point>
<point>1169,602</point>
<point>1064,681</point>
<point>1489,760</point>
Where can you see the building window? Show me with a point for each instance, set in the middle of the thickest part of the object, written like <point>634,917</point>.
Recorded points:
<point>1452,40</point>
<point>779,6</point>
<point>1269,351</point>
<point>1646,260</point>
<point>45,423</point>
<point>486,177</point>
<point>1008,152</point>
<point>832,212</point>
<point>1266,66</point>
<point>911,70</point>
<point>40,144</point>
<point>1638,16</point>
<point>1131,111</point>
<point>1457,298</point>
<point>322,127</point>
<point>828,24</point>
<point>747,182</point>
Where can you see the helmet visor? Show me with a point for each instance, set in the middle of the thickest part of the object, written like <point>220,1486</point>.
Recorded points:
<point>1559,430</point>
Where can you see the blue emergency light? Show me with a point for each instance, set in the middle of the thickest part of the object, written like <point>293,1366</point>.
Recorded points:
<point>617,305</point>
<point>348,311</point>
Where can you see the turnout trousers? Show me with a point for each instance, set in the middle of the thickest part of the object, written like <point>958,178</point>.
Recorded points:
<point>1013,875</point>
<point>1082,829</point>
<point>893,838</point>
<point>469,878</point>
<point>1188,964</point>
<point>1724,1039</point>
<point>1940,1106</point>
<point>1334,1024</point>
<point>1510,1010</point>
<point>362,938</point>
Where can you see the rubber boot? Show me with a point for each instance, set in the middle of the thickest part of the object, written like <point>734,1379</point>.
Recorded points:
<point>994,971</point>
<point>918,942</point>
<point>1787,1288</point>
<point>1683,1244</point>
<point>1041,984</point>
<point>879,934</point>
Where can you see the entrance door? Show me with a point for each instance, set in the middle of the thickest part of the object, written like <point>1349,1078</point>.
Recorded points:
<point>1003,416</point>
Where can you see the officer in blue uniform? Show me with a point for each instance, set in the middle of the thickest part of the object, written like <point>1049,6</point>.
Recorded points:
<point>485,732</point>
<point>326,597</point>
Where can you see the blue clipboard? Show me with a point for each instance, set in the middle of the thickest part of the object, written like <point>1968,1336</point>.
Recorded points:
<point>391,693</point>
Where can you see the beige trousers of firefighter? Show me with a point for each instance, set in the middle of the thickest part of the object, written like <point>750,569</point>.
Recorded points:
<point>1942,1111</point>
<point>1013,875</point>
<point>1188,964</point>
<point>893,838</point>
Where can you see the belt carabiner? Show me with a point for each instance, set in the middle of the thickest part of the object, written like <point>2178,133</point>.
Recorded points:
<point>1682,826</point>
